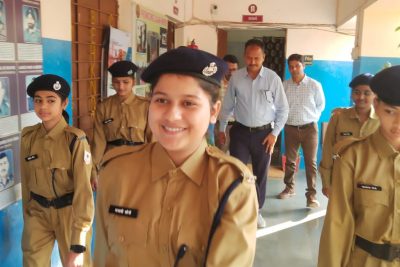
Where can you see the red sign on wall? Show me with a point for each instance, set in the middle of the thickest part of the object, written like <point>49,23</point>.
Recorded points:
<point>252,18</point>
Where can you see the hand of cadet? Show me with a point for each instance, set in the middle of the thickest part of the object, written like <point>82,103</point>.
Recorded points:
<point>269,143</point>
<point>93,183</point>
<point>325,191</point>
<point>74,259</point>
<point>222,138</point>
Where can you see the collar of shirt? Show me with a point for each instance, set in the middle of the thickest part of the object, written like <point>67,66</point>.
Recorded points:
<point>382,146</point>
<point>193,167</point>
<point>303,81</point>
<point>260,73</point>
<point>354,115</point>
<point>55,132</point>
<point>129,100</point>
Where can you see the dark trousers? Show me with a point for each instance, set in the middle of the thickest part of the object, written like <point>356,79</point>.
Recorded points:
<point>245,143</point>
<point>307,138</point>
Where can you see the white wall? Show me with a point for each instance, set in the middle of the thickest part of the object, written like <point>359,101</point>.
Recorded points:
<point>323,45</point>
<point>56,25</point>
<point>379,38</point>
<point>347,9</point>
<point>282,11</point>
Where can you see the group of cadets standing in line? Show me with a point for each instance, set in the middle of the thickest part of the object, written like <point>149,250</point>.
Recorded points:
<point>176,200</point>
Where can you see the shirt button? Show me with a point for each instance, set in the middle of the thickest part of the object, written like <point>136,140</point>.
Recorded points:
<point>121,238</point>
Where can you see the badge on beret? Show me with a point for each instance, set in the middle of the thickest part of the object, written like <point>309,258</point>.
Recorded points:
<point>57,86</point>
<point>130,72</point>
<point>87,157</point>
<point>210,70</point>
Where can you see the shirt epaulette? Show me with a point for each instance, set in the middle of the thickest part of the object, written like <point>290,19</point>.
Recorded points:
<point>144,98</point>
<point>29,129</point>
<point>77,132</point>
<point>120,151</point>
<point>342,145</point>
<point>223,158</point>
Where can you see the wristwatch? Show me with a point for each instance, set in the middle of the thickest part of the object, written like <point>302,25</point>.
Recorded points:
<point>77,248</point>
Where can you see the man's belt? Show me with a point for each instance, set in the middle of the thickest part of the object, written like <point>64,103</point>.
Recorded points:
<point>57,203</point>
<point>387,252</point>
<point>122,142</point>
<point>301,126</point>
<point>254,129</point>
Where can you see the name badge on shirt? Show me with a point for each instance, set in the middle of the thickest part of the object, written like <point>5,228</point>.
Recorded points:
<point>107,121</point>
<point>346,134</point>
<point>31,157</point>
<point>369,187</point>
<point>122,211</point>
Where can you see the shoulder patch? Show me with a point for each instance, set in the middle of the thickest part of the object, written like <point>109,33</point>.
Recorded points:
<point>341,146</point>
<point>77,132</point>
<point>120,151</point>
<point>214,152</point>
<point>30,129</point>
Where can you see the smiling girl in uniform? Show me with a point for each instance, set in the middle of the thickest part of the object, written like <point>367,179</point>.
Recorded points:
<point>178,201</point>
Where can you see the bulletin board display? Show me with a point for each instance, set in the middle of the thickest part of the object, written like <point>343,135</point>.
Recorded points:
<point>21,58</point>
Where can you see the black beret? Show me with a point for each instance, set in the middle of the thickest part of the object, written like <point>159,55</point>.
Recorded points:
<point>188,61</point>
<point>362,79</point>
<point>386,85</point>
<point>49,82</point>
<point>123,68</point>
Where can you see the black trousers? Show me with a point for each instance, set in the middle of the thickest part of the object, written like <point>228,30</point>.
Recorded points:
<point>245,143</point>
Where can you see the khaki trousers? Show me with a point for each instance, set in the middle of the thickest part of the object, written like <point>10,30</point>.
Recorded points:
<point>307,138</point>
<point>42,226</point>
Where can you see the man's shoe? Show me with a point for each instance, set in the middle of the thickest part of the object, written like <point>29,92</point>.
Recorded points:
<point>286,193</point>
<point>312,203</point>
<point>261,222</point>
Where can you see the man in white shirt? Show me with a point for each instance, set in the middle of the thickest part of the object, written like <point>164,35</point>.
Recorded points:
<point>306,102</point>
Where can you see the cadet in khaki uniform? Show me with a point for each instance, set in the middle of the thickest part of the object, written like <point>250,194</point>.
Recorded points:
<point>55,179</point>
<point>357,121</point>
<point>177,201</point>
<point>362,226</point>
<point>120,119</point>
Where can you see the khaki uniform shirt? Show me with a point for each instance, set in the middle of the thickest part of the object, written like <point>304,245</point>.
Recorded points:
<point>174,206</point>
<point>365,201</point>
<point>43,152</point>
<point>343,124</point>
<point>114,120</point>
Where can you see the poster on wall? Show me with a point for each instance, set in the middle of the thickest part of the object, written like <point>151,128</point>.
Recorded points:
<point>151,42</point>
<point>119,48</point>
<point>20,61</point>
<point>10,191</point>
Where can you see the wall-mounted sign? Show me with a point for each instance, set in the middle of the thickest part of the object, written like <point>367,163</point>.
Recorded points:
<point>252,8</point>
<point>252,18</point>
<point>308,59</point>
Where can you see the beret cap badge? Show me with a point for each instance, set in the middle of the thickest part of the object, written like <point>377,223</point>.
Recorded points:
<point>130,72</point>
<point>57,86</point>
<point>210,69</point>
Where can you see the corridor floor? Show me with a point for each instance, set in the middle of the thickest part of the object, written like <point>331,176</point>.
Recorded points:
<point>292,234</point>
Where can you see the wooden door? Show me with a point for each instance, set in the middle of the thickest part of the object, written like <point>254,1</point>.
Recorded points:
<point>89,20</point>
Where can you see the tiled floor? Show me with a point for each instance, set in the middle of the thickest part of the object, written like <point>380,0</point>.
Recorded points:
<point>292,234</point>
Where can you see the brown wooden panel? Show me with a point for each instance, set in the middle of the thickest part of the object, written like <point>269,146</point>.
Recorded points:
<point>222,43</point>
<point>89,19</point>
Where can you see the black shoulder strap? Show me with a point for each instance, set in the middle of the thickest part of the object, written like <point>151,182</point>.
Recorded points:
<point>219,212</point>
<point>72,144</point>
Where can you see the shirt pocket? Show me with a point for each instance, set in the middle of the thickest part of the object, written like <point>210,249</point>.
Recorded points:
<point>124,232</point>
<point>196,244</point>
<point>267,95</point>
<point>136,132</point>
<point>371,198</point>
